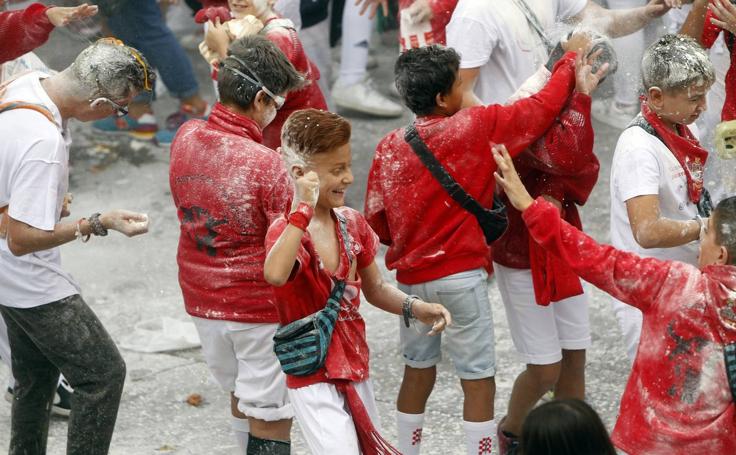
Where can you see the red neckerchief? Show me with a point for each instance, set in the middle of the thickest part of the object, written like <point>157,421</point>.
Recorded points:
<point>686,149</point>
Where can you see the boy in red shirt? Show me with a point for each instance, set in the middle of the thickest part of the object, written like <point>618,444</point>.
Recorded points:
<point>227,188</point>
<point>438,248</point>
<point>319,243</point>
<point>282,33</point>
<point>679,397</point>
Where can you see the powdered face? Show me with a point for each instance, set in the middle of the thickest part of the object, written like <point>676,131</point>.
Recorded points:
<point>242,8</point>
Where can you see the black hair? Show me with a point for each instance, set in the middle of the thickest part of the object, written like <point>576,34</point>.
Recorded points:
<point>261,60</point>
<point>724,222</point>
<point>564,427</point>
<point>421,74</point>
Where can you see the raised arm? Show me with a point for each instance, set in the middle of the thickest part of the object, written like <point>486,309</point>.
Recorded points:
<point>520,124</point>
<point>281,259</point>
<point>626,276</point>
<point>24,30</point>
<point>621,22</point>
<point>695,22</point>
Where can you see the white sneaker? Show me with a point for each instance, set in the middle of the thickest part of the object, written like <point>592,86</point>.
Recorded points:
<point>363,97</point>
<point>612,114</point>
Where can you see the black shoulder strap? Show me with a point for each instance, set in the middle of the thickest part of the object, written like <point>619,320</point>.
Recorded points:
<point>729,353</point>
<point>456,192</point>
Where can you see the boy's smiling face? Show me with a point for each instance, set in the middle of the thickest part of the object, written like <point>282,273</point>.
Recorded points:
<point>334,169</point>
<point>679,106</point>
<point>242,8</point>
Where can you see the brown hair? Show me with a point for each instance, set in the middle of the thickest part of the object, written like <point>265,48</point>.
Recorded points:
<point>310,131</point>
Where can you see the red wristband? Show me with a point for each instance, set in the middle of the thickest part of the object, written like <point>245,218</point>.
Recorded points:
<point>301,216</point>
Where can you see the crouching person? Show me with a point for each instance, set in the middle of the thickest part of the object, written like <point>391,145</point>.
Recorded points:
<point>319,258</point>
<point>50,327</point>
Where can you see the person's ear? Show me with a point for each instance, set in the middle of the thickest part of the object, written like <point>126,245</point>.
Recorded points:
<point>296,171</point>
<point>262,99</point>
<point>440,100</point>
<point>723,258</point>
<point>655,97</point>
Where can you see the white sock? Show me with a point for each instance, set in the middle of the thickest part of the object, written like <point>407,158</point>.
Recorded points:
<point>479,436</point>
<point>241,428</point>
<point>410,432</point>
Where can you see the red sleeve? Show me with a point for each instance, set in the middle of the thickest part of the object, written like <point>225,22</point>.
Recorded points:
<point>520,124</point>
<point>565,154</point>
<point>272,236</point>
<point>23,30</point>
<point>627,277</point>
<point>375,210</point>
<point>710,30</point>
<point>368,241</point>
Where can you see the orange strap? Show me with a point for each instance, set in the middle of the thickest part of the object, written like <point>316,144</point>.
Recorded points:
<point>10,105</point>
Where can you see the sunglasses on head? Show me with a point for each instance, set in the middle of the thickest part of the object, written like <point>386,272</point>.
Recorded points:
<point>278,100</point>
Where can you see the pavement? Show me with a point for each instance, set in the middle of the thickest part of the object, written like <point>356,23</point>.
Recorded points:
<point>127,281</point>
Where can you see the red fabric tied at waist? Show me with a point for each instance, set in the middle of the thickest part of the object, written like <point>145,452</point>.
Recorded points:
<point>370,441</point>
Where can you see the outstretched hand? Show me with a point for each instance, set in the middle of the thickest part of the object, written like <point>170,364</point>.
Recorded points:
<point>61,16</point>
<point>125,222</point>
<point>432,314</point>
<point>585,80</point>
<point>725,12</point>
<point>373,5</point>
<point>509,180</point>
<point>419,11</point>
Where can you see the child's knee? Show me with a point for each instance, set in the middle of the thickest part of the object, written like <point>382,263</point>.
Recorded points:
<point>420,378</point>
<point>545,376</point>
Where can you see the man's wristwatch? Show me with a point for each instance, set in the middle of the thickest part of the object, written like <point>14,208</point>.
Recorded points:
<point>96,225</point>
<point>406,308</point>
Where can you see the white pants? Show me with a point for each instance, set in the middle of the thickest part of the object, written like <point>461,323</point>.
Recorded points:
<point>324,418</point>
<point>356,35</point>
<point>629,320</point>
<point>241,359</point>
<point>540,333</point>
<point>316,43</point>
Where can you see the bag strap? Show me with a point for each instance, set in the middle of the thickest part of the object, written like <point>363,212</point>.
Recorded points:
<point>535,24</point>
<point>343,223</point>
<point>450,185</point>
<point>729,354</point>
<point>40,108</point>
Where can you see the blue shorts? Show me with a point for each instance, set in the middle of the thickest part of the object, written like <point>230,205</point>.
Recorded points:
<point>469,339</point>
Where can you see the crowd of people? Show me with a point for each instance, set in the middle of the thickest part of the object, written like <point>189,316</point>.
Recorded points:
<point>484,182</point>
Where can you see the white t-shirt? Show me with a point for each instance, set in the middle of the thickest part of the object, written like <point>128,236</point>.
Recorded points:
<point>642,165</point>
<point>34,177</point>
<point>495,36</point>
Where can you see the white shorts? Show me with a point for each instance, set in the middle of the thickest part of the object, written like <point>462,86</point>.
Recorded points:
<point>241,359</point>
<point>629,320</point>
<point>540,333</point>
<point>324,418</point>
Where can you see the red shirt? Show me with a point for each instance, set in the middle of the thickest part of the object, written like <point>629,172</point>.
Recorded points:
<point>227,188</point>
<point>307,290</point>
<point>677,400</point>
<point>562,165</point>
<point>309,96</point>
<point>710,34</point>
<point>23,30</point>
<point>441,15</point>
<point>429,235</point>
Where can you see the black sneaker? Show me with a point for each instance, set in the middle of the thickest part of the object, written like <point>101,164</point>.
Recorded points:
<point>62,405</point>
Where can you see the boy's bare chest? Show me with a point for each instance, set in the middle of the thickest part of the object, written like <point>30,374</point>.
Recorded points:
<point>326,244</point>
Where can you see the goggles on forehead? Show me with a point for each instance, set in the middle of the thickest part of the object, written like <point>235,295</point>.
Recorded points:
<point>278,100</point>
<point>116,42</point>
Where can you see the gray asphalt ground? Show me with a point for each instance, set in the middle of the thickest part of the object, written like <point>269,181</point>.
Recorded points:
<point>127,281</point>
